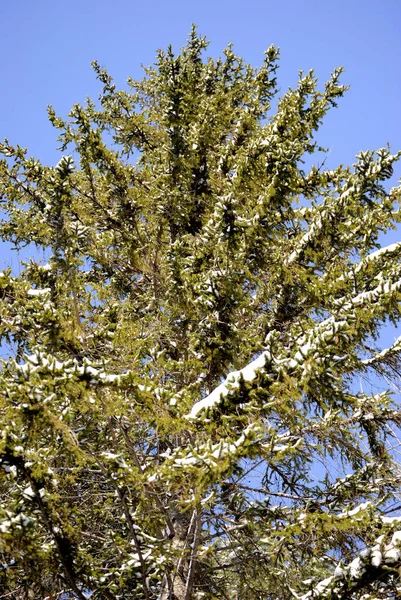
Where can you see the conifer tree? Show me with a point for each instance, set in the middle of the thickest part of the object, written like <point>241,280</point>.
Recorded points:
<point>179,414</point>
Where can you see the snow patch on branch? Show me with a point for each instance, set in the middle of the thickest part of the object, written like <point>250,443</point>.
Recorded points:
<point>379,555</point>
<point>20,521</point>
<point>370,296</point>
<point>232,381</point>
<point>390,249</point>
<point>394,349</point>
<point>39,291</point>
<point>316,227</point>
<point>210,455</point>
<point>309,347</point>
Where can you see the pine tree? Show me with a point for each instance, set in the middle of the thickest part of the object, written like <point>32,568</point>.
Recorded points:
<point>180,415</point>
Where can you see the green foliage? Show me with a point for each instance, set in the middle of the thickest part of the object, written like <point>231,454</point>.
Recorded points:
<point>187,357</point>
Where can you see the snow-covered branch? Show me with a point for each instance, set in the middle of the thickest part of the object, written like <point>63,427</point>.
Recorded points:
<point>373,565</point>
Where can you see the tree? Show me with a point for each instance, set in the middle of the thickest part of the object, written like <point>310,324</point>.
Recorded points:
<point>179,411</point>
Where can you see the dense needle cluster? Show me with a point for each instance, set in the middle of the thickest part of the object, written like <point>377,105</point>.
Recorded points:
<point>179,414</point>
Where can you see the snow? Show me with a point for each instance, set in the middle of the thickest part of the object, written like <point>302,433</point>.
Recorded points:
<point>9,469</point>
<point>339,571</point>
<point>19,521</point>
<point>396,539</point>
<point>309,346</point>
<point>309,235</point>
<point>314,229</point>
<point>376,557</point>
<point>38,291</point>
<point>369,296</point>
<point>395,347</point>
<point>28,492</point>
<point>380,553</point>
<point>323,584</point>
<point>392,555</point>
<point>69,368</point>
<point>390,520</point>
<point>355,511</point>
<point>187,461</point>
<point>210,454</point>
<point>385,250</point>
<point>281,447</point>
<point>110,455</point>
<point>248,373</point>
<point>355,568</point>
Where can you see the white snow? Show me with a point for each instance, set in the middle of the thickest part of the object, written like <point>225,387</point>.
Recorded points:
<point>395,347</point>
<point>19,521</point>
<point>248,373</point>
<point>28,492</point>
<point>38,291</point>
<point>210,454</point>
<point>385,250</point>
<point>369,296</point>
<point>352,513</point>
<point>376,557</point>
<point>309,346</point>
<point>110,455</point>
<point>390,554</point>
<point>355,568</point>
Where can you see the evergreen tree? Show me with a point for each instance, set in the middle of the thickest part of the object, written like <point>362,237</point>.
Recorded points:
<point>178,407</point>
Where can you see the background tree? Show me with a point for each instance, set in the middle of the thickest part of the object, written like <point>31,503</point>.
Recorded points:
<point>179,415</point>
